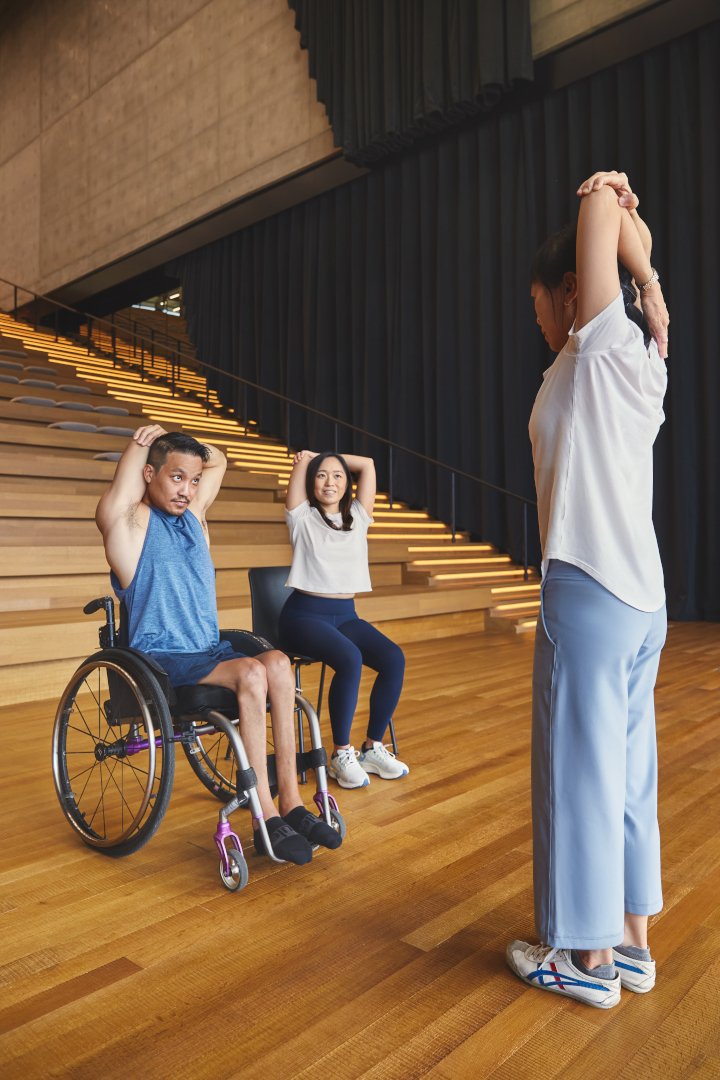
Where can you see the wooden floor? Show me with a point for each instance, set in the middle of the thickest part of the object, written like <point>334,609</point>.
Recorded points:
<point>382,960</point>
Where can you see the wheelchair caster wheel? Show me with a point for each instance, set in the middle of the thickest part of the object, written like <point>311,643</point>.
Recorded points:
<point>239,874</point>
<point>338,822</point>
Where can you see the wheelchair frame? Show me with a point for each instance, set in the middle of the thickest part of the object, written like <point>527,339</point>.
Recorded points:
<point>114,738</point>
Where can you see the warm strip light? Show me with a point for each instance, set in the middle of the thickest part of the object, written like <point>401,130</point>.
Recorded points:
<point>478,574</point>
<point>417,525</point>
<point>516,607</point>
<point>451,562</point>
<point>259,445</point>
<point>417,514</point>
<point>395,536</point>
<point>268,451</point>
<point>458,547</point>
<point>515,589</point>
<point>259,459</point>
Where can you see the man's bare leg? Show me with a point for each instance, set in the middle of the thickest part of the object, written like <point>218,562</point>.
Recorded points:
<point>248,681</point>
<point>248,678</point>
<point>281,689</point>
<point>281,692</point>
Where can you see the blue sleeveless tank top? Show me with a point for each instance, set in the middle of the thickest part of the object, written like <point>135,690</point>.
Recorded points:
<point>171,601</point>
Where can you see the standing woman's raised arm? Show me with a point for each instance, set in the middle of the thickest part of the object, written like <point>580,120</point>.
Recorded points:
<point>609,230</point>
<point>598,235</point>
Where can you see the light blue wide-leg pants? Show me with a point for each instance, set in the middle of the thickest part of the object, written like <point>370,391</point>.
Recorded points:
<point>596,843</point>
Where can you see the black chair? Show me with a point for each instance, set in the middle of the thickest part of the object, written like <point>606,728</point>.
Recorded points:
<point>268,595</point>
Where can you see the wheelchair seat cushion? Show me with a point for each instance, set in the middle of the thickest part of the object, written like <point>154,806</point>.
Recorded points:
<point>192,699</point>
<point>188,668</point>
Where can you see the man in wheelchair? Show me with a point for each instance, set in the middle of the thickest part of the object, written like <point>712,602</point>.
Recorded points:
<point>155,533</point>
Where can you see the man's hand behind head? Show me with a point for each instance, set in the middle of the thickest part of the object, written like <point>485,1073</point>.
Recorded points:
<point>146,435</point>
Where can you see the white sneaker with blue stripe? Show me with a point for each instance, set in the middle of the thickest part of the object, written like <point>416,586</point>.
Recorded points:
<point>552,969</point>
<point>635,975</point>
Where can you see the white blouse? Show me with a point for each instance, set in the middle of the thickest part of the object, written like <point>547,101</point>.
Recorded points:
<point>325,560</point>
<point>592,428</point>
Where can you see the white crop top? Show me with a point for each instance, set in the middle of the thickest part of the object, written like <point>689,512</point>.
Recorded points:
<point>325,560</point>
<point>592,428</point>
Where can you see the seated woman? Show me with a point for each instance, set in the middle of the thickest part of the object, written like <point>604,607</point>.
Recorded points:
<point>328,531</point>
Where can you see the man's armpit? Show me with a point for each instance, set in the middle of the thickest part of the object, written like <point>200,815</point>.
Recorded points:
<point>130,517</point>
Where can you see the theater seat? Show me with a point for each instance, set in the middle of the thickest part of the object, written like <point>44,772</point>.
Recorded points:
<point>73,425</point>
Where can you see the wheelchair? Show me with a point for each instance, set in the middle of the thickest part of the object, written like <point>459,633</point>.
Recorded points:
<point>114,739</point>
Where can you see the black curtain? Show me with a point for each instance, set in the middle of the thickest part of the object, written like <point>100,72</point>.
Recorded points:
<point>400,302</point>
<point>390,72</point>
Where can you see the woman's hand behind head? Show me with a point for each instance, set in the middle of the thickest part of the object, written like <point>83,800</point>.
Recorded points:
<point>657,316</point>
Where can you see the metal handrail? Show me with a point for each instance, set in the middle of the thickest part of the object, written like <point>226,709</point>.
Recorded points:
<point>289,403</point>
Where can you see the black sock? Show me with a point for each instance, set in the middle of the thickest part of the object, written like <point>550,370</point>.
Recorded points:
<point>314,829</point>
<point>286,843</point>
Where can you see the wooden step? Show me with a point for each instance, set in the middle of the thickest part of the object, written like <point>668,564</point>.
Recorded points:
<point>35,593</point>
<point>16,504</point>
<point>428,584</point>
<point>518,614</point>
<point>99,395</point>
<point>57,635</point>
<point>46,464</point>
<point>74,559</point>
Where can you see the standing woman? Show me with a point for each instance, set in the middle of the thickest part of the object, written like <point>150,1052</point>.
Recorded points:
<point>596,846</point>
<point>328,531</point>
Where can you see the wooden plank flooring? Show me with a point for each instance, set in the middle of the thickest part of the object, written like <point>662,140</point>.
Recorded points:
<point>382,960</point>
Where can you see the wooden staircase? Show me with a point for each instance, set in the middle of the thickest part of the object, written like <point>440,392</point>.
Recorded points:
<point>425,586</point>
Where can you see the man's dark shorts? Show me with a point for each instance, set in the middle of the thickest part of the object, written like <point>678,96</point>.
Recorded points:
<point>187,669</point>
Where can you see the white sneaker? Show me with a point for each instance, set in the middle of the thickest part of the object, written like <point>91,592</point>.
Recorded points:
<point>380,761</point>
<point>344,768</point>
<point>635,975</point>
<point>552,969</point>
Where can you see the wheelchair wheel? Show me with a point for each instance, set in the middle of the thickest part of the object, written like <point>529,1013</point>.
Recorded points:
<point>239,874</point>
<point>113,752</point>
<point>338,822</point>
<point>212,760</point>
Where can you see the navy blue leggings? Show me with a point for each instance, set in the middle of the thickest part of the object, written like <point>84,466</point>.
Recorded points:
<point>329,630</point>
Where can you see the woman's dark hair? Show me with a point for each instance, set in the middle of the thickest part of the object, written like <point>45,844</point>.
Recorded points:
<point>175,440</point>
<point>556,256</point>
<point>345,501</point>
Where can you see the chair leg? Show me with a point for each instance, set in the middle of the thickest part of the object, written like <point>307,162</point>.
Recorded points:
<point>299,720</point>
<point>320,691</point>
<point>392,738</point>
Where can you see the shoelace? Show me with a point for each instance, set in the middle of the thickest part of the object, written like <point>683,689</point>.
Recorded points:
<point>381,750</point>
<point>346,757</point>
<point>542,954</point>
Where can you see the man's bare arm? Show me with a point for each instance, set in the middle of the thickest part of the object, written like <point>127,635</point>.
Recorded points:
<point>212,477</point>
<point>128,484</point>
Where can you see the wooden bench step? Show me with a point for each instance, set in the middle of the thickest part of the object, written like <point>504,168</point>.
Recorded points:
<point>15,504</point>
<point>62,592</point>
